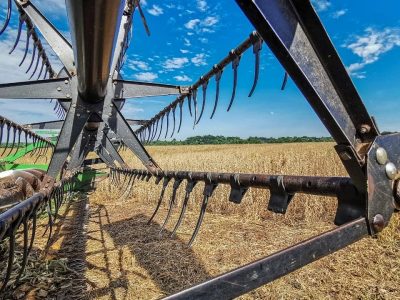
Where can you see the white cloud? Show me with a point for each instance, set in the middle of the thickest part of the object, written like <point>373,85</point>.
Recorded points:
<point>184,51</point>
<point>182,78</point>
<point>199,60</point>
<point>339,13</point>
<point>143,3</point>
<point>210,21</point>
<point>202,5</point>
<point>146,76</point>
<point>155,10</point>
<point>370,46</point>
<point>192,24</point>
<point>203,40</point>
<point>138,65</point>
<point>321,5</point>
<point>175,63</point>
<point>186,42</point>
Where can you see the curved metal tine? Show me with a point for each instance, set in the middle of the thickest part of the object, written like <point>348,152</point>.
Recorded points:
<point>162,121</point>
<point>33,58</point>
<point>8,138</point>
<point>189,188</point>
<point>155,130</point>
<point>189,97</point>
<point>45,73</point>
<point>165,184</point>
<point>235,65</point>
<point>173,114</point>
<point>19,139</point>
<point>204,89</point>
<point>175,187</point>
<point>199,220</point>
<point>41,69</point>
<point>34,145</point>
<point>34,221</point>
<point>1,130</point>
<point>180,116</point>
<point>11,251</point>
<point>256,50</point>
<point>166,131</point>
<point>28,36</point>
<point>194,94</point>
<point>21,22</point>
<point>13,142</point>
<point>8,17</point>
<point>37,64</point>
<point>218,75</point>
<point>25,250</point>
<point>285,78</point>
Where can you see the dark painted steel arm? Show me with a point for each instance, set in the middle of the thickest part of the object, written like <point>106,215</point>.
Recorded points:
<point>41,89</point>
<point>110,148</point>
<point>136,122</point>
<point>125,89</point>
<point>295,35</point>
<point>54,38</point>
<point>45,125</point>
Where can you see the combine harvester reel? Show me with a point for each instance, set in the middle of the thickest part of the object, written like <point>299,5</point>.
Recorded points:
<point>90,92</point>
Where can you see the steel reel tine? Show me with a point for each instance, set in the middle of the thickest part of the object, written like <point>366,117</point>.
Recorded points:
<point>162,121</point>
<point>8,138</point>
<point>173,114</point>
<point>155,131</point>
<point>146,27</point>
<point>204,90</point>
<point>189,97</point>
<point>41,69</point>
<point>180,116</point>
<point>21,22</point>
<point>45,73</point>
<point>189,188</point>
<point>166,131</point>
<point>28,36</point>
<point>194,94</point>
<point>218,75</point>
<point>13,142</point>
<point>8,17</point>
<point>36,65</point>
<point>1,130</point>
<point>33,58</point>
<point>19,138</point>
<point>171,203</point>
<point>34,221</point>
<point>235,65</point>
<point>256,50</point>
<point>284,81</point>
<point>25,249</point>
<point>165,184</point>
<point>199,220</point>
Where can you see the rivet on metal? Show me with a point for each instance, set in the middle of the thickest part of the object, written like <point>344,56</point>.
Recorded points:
<point>378,223</point>
<point>66,81</point>
<point>381,156</point>
<point>59,89</point>
<point>391,170</point>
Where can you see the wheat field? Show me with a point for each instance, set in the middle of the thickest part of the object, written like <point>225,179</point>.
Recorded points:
<point>105,237</point>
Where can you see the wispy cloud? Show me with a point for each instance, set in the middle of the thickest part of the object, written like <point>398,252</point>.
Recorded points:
<point>199,60</point>
<point>183,78</point>
<point>138,65</point>
<point>202,5</point>
<point>155,10</point>
<point>321,5</point>
<point>146,76</point>
<point>370,46</point>
<point>192,23</point>
<point>175,63</point>
<point>205,25</point>
<point>184,51</point>
<point>339,13</point>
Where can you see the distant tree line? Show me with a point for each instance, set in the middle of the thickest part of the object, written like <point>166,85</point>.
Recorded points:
<point>219,139</point>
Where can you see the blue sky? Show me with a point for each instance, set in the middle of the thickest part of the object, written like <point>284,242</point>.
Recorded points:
<point>188,37</point>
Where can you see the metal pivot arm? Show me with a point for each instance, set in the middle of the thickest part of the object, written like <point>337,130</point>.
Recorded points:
<point>80,150</point>
<point>121,128</point>
<point>294,33</point>
<point>41,89</point>
<point>110,148</point>
<point>136,122</point>
<point>45,125</point>
<point>105,156</point>
<point>125,89</point>
<point>55,39</point>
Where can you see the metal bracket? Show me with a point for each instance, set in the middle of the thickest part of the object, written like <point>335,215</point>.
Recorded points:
<point>280,199</point>
<point>237,190</point>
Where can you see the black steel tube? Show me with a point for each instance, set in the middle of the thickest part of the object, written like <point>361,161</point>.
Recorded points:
<point>93,25</point>
<point>258,273</point>
<point>315,185</point>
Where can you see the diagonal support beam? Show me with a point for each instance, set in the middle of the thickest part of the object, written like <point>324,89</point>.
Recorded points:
<point>125,89</point>
<point>45,125</point>
<point>41,89</point>
<point>54,38</point>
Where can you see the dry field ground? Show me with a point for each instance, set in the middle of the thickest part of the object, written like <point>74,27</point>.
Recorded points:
<point>114,254</point>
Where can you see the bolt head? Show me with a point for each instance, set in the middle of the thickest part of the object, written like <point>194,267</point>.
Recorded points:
<point>59,89</point>
<point>66,81</point>
<point>381,156</point>
<point>68,96</point>
<point>378,223</point>
<point>391,170</point>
